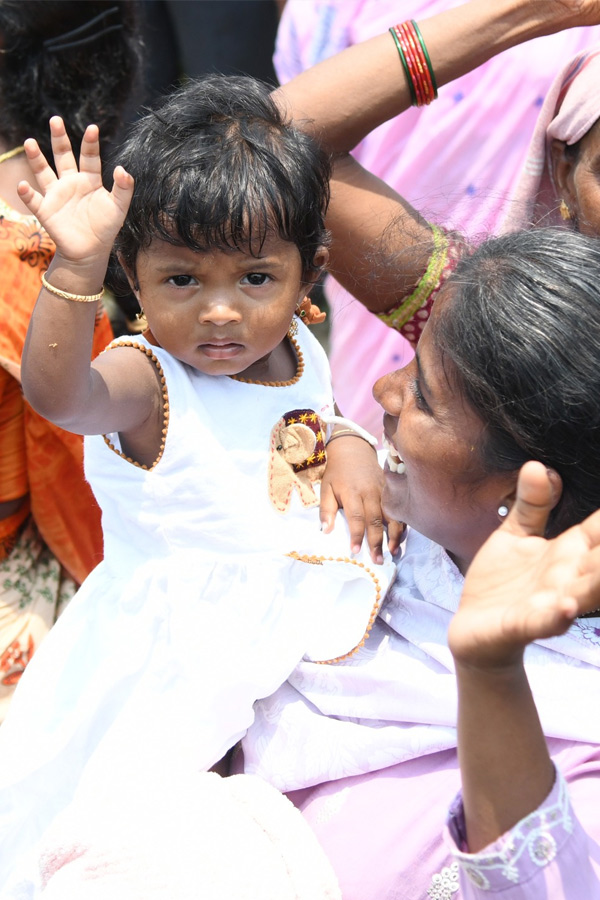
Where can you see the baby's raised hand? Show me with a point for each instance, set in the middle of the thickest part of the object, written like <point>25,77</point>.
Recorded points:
<point>79,214</point>
<point>522,587</point>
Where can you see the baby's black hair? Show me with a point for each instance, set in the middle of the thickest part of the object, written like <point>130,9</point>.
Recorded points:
<point>217,165</point>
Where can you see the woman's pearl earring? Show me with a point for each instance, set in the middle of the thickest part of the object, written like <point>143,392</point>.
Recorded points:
<point>503,511</point>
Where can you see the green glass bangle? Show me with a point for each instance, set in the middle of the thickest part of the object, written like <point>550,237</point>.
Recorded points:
<point>411,87</point>
<point>427,59</point>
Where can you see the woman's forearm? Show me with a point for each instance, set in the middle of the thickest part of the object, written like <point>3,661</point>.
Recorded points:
<point>345,97</point>
<point>506,770</point>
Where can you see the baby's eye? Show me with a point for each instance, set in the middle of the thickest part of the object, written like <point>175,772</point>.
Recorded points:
<point>181,280</point>
<point>256,278</point>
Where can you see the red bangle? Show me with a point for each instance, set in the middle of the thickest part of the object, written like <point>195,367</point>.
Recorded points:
<point>411,64</point>
<point>416,62</point>
<point>425,65</point>
<point>430,72</point>
<point>420,68</point>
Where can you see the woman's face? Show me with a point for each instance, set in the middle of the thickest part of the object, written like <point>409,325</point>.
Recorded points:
<point>578,182</point>
<point>441,488</point>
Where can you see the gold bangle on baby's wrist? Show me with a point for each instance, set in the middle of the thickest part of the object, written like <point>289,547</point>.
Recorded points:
<point>347,432</point>
<point>79,298</point>
<point>348,427</point>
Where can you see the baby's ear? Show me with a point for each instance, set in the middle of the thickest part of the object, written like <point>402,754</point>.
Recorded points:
<point>321,259</point>
<point>319,265</point>
<point>129,273</point>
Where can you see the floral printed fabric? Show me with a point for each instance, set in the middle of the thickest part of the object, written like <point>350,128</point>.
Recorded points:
<point>33,591</point>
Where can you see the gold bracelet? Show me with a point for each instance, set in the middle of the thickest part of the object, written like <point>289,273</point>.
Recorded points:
<point>80,298</point>
<point>344,433</point>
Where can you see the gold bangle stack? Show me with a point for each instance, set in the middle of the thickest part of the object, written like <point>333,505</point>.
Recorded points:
<point>79,298</point>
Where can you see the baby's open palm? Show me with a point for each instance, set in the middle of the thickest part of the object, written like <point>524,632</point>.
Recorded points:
<point>79,214</point>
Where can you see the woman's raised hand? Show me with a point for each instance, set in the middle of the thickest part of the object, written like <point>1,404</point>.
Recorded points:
<point>584,12</point>
<point>520,586</point>
<point>80,215</point>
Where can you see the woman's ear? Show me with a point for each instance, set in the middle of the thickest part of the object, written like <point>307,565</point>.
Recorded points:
<point>562,177</point>
<point>508,499</point>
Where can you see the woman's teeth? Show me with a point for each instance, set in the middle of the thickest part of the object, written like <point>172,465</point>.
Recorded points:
<point>395,464</point>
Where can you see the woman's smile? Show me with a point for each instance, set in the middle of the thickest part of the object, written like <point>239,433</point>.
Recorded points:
<point>394,463</point>
<point>434,477</point>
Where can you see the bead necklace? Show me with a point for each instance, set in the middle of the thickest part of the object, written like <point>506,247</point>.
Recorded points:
<point>297,376</point>
<point>10,153</point>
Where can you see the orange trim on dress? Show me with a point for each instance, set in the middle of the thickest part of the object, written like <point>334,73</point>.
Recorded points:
<point>318,561</point>
<point>165,395</point>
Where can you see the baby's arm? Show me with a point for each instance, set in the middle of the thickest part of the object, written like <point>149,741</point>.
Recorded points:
<point>353,481</point>
<point>116,393</point>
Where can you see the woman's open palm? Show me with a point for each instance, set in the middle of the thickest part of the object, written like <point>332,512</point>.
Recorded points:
<point>521,587</point>
<point>79,214</point>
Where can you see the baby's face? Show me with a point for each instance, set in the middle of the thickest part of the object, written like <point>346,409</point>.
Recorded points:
<point>222,311</point>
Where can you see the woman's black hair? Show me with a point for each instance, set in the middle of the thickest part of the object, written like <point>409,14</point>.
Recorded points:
<point>520,326</point>
<point>70,58</point>
<point>217,165</point>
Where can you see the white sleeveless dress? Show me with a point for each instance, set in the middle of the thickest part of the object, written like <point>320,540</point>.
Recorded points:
<point>196,611</point>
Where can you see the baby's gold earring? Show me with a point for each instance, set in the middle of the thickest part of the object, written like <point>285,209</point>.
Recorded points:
<point>293,329</point>
<point>141,322</point>
<point>565,212</point>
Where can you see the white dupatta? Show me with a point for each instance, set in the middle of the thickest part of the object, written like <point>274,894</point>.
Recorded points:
<point>396,699</point>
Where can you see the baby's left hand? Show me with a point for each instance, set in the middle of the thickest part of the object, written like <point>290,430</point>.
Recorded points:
<point>353,481</point>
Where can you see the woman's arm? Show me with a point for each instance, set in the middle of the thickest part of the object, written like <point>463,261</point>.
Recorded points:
<point>381,245</point>
<point>343,98</point>
<point>519,588</point>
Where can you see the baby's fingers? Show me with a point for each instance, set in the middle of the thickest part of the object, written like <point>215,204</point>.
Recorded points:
<point>89,157</point>
<point>329,506</point>
<point>396,532</point>
<point>375,533</point>
<point>39,165</point>
<point>363,514</point>
<point>64,160</point>
<point>122,189</point>
<point>31,198</point>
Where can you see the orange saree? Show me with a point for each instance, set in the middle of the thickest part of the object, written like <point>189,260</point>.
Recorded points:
<point>61,502</point>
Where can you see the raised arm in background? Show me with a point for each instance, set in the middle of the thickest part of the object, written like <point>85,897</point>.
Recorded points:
<point>381,245</point>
